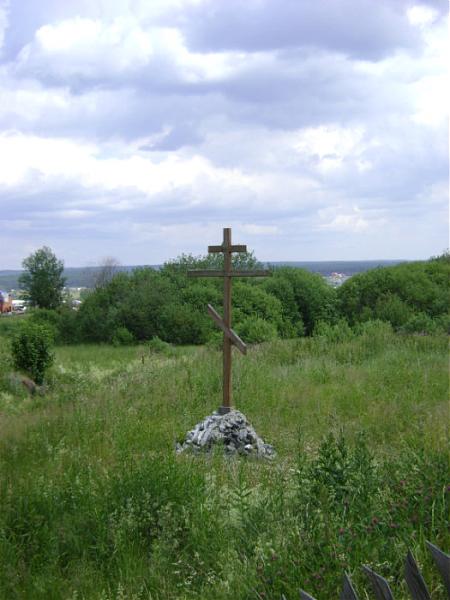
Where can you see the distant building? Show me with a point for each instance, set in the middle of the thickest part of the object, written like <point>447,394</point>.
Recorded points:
<point>19,305</point>
<point>336,279</point>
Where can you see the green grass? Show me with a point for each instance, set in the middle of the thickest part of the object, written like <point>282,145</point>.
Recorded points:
<point>96,505</point>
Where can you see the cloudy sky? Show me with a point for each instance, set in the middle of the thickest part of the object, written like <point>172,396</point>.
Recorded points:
<point>138,129</point>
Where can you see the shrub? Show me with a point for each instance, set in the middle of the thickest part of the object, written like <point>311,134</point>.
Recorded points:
<point>254,330</point>
<point>340,332</point>
<point>68,326</point>
<point>373,337</point>
<point>420,323</point>
<point>391,308</point>
<point>374,329</point>
<point>122,337</point>
<point>47,317</point>
<point>97,318</point>
<point>443,323</point>
<point>32,350</point>
<point>157,346</point>
<point>215,340</point>
<point>347,472</point>
<point>182,324</point>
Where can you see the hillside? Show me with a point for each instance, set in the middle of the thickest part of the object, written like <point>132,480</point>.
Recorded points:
<point>96,505</point>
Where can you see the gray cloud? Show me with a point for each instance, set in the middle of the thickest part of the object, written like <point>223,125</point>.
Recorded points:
<point>363,29</point>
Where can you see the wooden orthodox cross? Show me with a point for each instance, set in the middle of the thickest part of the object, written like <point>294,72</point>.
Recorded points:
<point>229,336</point>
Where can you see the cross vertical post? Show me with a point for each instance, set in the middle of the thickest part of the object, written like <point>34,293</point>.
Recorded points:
<point>227,390</point>
<point>230,337</point>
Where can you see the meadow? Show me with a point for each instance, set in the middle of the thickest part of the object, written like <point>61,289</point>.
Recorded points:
<point>97,505</point>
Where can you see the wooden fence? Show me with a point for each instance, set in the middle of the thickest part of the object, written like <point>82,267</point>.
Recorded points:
<point>413,577</point>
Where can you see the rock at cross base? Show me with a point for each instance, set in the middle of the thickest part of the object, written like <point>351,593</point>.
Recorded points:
<point>232,430</point>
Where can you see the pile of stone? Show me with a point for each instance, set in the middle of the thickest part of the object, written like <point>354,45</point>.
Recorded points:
<point>232,431</point>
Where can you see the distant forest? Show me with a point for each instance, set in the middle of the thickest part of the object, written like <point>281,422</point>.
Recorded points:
<point>86,276</point>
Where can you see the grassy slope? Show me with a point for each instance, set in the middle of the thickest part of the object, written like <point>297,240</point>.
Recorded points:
<point>96,504</point>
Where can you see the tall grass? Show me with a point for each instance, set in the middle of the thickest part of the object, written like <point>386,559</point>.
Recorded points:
<point>96,505</point>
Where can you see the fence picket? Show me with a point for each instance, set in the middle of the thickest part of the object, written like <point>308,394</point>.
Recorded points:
<point>416,584</point>
<point>442,562</point>
<point>413,577</point>
<point>348,591</point>
<point>305,596</point>
<point>380,586</point>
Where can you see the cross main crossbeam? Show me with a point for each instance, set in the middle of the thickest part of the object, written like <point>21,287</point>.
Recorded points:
<point>212,273</point>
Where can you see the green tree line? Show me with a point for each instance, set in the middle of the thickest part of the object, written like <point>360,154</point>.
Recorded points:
<point>147,303</point>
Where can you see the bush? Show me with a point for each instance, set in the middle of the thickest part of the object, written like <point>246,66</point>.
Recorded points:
<point>157,346</point>
<point>391,308</point>
<point>443,323</point>
<point>420,323</point>
<point>340,332</point>
<point>47,317</point>
<point>182,324</point>
<point>68,327</point>
<point>32,350</point>
<point>215,340</point>
<point>374,328</point>
<point>254,330</point>
<point>122,337</point>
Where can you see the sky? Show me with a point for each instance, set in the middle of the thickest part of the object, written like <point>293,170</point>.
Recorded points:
<point>138,129</point>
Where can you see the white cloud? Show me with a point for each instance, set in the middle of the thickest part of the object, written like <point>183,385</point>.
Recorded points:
<point>48,161</point>
<point>94,49</point>
<point>431,90</point>
<point>331,146</point>
<point>419,80</point>
<point>421,15</point>
<point>85,46</point>
<point>336,218</point>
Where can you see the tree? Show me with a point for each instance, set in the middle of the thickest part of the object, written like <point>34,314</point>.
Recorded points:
<point>42,279</point>
<point>306,297</point>
<point>108,268</point>
<point>397,293</point>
